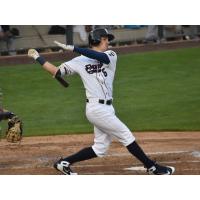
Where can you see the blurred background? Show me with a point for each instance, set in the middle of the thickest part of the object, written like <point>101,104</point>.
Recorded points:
<point>17,39</point>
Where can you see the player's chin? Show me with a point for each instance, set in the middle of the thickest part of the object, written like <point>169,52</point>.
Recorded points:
<point>105,48</point>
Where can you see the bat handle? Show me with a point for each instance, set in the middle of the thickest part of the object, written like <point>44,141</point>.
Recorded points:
<point>63,82</point>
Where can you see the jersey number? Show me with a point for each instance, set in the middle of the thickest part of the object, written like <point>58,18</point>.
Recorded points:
<point>104,72</point>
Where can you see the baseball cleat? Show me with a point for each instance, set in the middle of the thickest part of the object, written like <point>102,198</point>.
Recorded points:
<point>160,170</point>
<point>64,167</point>
<point>33,53</point>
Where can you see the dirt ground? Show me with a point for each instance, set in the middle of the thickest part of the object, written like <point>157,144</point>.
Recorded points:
<point>36,155</point>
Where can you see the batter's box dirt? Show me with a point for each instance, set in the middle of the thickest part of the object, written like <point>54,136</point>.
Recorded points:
<point>36,155</point>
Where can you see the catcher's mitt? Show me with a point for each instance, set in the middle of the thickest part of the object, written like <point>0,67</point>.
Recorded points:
<point>15,129</point>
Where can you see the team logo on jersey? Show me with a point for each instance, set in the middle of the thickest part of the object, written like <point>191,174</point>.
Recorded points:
<point>91,69</point>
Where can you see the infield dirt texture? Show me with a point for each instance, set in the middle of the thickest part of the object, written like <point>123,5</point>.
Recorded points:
<point>157,99</point>
<point>36,155</point>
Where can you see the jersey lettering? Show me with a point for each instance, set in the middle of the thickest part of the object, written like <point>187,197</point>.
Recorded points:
<point>111,53</point>
<point>91,69</point>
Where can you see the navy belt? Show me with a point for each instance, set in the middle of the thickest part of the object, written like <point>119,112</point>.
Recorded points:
<point>102,101</point>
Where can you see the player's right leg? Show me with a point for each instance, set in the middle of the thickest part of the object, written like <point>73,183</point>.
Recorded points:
<point>63,165</point>
<point>102,142</point>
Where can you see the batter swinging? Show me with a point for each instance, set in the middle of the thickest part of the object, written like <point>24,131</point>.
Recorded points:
<point>96,67</point>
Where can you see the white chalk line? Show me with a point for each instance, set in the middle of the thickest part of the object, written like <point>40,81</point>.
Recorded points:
<point>141,168</point>
<point>196,154</point>
<point>44,161</point>
<point>137,168</point>
<point>150,153</point>
<point>43,158</point>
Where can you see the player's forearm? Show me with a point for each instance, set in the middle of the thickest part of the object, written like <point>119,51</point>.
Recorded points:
<point>50,68</point>
<point>100,56</point>
<point>46,65</point>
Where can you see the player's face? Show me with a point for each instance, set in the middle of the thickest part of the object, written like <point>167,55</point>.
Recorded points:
<point>104,44</point>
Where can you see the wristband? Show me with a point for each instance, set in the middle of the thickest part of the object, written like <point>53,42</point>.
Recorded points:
<point>41,60</point>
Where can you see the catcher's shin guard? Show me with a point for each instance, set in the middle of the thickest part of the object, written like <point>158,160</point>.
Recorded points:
<point>64,167</point>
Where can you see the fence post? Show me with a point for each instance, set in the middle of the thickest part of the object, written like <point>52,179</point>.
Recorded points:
<point>69,34</point>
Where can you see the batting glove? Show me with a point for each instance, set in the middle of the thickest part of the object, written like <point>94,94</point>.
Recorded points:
<point>64,46</point>
<point>33,54</point>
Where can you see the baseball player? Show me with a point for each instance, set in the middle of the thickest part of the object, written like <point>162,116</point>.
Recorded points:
<point>96,66</point>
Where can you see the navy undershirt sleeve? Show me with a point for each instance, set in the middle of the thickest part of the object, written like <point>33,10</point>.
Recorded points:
<point>101,57</point>
<point>6,115</point>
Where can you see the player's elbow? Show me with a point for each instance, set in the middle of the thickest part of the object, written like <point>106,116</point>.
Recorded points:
<point>57,74</point>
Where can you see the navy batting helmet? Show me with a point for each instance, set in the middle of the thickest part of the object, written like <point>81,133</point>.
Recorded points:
<point>95,36</point>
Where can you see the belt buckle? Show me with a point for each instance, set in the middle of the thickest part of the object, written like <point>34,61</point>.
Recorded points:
<point>101,101</point>
<point>109,102</point>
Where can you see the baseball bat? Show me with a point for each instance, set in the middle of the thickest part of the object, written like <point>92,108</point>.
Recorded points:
<point>63,82</point>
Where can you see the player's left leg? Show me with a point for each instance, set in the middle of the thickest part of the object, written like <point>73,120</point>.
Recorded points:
<point>101,144</point>
<point>125,136</point>
<point>111,124</point>
<point>152,166</point>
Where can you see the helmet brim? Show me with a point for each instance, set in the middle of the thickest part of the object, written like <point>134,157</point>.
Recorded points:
<point>111,37</point>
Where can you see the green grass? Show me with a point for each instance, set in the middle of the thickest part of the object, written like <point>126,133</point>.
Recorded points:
<point>152,91</point>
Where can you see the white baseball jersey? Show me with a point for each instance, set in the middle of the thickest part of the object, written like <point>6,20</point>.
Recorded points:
<point>97,77</point>
<point>98,82</point>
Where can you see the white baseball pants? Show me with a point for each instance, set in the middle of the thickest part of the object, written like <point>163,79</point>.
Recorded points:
<point>106,126</point>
